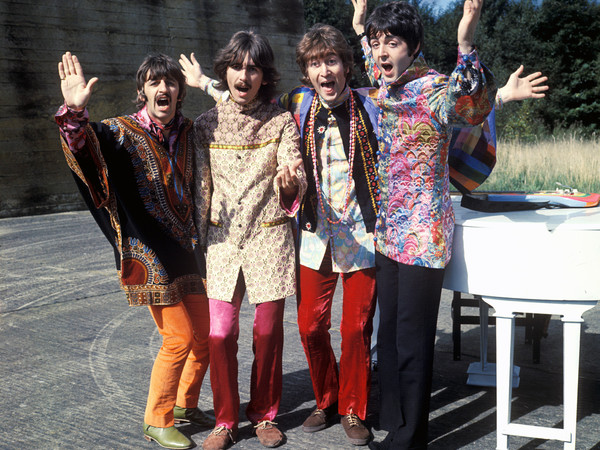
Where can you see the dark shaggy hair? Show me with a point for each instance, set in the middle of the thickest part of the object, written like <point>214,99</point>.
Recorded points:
<point>154,67</point>
<point>259,50</point>
<point>322,40</point>
<point>397,19</point>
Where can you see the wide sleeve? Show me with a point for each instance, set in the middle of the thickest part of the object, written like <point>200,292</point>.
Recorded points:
<point>209,86</point>
<point>202,185</point>
<point>288,152</point>
<point>373,71</point>
<point>82,149</point>
<point>466,98</point>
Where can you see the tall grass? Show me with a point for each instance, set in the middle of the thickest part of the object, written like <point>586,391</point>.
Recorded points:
<point>570,160</point>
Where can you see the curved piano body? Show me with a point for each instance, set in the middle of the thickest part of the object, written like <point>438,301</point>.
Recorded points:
<point>549,254</point>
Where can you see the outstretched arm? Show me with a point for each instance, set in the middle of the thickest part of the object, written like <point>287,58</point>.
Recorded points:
<point>360,16</point>
<point>522,88</point>
<point>75,90</point>
<point>194,75</point>
<point>468,24</point>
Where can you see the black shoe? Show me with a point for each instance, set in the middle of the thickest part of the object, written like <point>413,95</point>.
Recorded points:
<point>386,444</point>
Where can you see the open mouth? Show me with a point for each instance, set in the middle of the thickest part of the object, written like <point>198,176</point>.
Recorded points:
<point>243,88</point>
<point>163,101</point>
<point>387,67</point>
<point>328,84</point>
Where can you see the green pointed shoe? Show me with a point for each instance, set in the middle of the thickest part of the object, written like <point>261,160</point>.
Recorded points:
<point>193,415</point>
<point>169,437</point>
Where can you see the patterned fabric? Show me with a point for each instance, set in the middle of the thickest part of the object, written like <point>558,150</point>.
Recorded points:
<point>141,199</point>
<point>72,125</point>
<point>158,130</point>
<point>351,246</point>
<point>249,229</point>
<point>417,113</point>
<point>472,154</point>
<point>351,243</point>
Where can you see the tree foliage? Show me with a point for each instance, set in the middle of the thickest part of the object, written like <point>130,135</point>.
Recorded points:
<point>556,37</point>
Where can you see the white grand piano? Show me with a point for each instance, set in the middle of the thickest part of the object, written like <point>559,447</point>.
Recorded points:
<point>545,261</point>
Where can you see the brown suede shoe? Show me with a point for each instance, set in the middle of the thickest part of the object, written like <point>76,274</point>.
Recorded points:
<point>268,434</point>
<point>318,419</point>
<point>219,439</point>
<point>357,433</point>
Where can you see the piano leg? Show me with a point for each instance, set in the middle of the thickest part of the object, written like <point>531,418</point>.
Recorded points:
<point>571,348</point>
<point>505,332</point>
<point>571,313</point>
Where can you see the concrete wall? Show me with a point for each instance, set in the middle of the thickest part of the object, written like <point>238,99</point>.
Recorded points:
<point>110,37</point>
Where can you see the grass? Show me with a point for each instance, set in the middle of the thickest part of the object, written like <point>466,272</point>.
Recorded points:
<point>570,160</point>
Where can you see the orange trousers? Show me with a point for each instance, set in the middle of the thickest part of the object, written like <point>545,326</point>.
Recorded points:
<point>182,360</point>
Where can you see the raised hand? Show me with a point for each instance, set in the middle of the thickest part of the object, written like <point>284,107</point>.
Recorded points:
<point>75,90</point>
<point>360,15</point>
<point>521,88</point>
<point>192,70</point>
<point>468,24</point>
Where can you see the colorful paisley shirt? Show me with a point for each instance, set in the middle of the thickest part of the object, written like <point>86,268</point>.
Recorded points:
<point>418,111</point>
<point>351,239</point>
<point>137,185</point>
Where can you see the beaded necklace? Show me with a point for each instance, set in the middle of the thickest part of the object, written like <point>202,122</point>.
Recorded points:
<point>312,148</point>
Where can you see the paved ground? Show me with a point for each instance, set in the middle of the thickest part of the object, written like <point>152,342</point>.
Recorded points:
<point>75,360</point>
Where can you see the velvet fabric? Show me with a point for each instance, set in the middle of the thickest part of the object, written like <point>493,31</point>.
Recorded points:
<point>350,386</point>
<point>267,346</point>
<point>409,299</point>
<point>182,360</point>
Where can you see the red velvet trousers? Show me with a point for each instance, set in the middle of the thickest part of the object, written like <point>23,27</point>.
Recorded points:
<point>351,386</point>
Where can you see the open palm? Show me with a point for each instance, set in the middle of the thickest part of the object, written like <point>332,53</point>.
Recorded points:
<point>75,90</point>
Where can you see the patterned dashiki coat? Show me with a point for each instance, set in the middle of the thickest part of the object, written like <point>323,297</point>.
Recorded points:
<point>418,111</point>
<point>248,230</point>
<point>140,196</point>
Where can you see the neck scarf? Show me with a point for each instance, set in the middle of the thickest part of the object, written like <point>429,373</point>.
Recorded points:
<point>158,130</point>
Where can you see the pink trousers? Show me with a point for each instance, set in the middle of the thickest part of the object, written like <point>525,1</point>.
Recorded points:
<point>182,360</point>
<point>267,346</point>
<point>351,387</point>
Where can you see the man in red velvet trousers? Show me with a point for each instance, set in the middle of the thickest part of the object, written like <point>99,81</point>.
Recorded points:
<point>337,221</point>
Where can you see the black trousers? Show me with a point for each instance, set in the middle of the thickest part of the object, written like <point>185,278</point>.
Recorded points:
<point>409,300</point>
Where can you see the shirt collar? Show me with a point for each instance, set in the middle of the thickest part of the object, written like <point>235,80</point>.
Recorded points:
<point>341,99</point>
<point>416,70</point>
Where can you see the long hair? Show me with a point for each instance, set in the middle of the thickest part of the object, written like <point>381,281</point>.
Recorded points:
<point>398,19</point>
<point>154,67</point>
<point>258,49</point>
<point>320,41</point>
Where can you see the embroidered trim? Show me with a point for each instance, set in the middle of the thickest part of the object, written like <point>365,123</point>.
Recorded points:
<point>155,179</point>
<point>275,222</point>
<point>244,147</point>
<point>366,152</point>
<point>270,224</point>
<point>164,294</point>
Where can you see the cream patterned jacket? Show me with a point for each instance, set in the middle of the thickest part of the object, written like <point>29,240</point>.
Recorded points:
<point>245,227</point>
